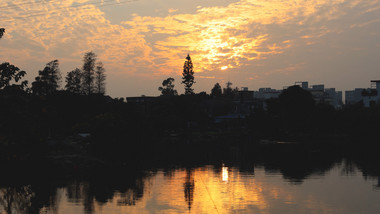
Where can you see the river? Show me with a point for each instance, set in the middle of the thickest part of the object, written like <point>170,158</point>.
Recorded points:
<point>311,186</point>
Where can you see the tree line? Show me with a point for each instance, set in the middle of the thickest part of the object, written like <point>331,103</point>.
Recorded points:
<point>167,88</point>
<point>91,79</point>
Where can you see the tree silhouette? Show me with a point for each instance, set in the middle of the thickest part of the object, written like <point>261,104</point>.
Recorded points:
<point>16,199</point>
<point>188,75</point>
<point>168,87</point>
<point>73,81</point>
<point>100,78</point>
<point>216,91</point>
<point>48,80</point>
<point>9,73</point>
<point>229,91</point>
<point>296,104</point>
<point>189,187</point>
<point>88,75</point>
<point>2,30</point>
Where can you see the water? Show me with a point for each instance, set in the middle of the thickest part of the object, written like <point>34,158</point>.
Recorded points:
<point>336,187</point>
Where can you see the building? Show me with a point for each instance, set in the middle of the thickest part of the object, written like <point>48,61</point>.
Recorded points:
<point>365,95</point>
<point>322,94</point>
<point>266,93</point>
<point>354,96</point>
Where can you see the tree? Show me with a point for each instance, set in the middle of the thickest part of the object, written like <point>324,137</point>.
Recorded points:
<point>229,91</point>
<point>2,30</point>
<point>73,81</point>
<point>48,80</point>
<point>9,73</point>
<point>216,91</point>
<point>296,104</point>
<point>168,87</point>
<point>100,78</point>
<point>88,73</point>
<point>188,76</point>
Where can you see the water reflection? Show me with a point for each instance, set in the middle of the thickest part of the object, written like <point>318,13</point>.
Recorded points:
<point>189,187</point>
<point>225,174</point>
<point>343,186</point>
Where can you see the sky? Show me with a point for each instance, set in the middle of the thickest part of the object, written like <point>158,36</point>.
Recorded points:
<point>251,43</point>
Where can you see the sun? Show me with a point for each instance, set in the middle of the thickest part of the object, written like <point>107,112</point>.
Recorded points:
<point>224,68</point>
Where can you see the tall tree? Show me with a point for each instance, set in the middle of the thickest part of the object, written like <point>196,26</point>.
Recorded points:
<point>228,91</point>
<point>100,78</point>
<point>168,87</point>
<point>2,30</point>
<point>188,75</point>
<point>88,73</point>
<point>10,73</point>
<point>48,80</point>
<point>216,91</point>
<point>73,81</point>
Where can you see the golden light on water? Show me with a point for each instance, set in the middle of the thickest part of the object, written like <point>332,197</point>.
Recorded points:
<point>225,174</point>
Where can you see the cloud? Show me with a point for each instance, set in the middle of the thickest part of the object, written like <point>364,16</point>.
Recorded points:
<point>171,10</point>
<point>69,30</point>
<point>235,35</point>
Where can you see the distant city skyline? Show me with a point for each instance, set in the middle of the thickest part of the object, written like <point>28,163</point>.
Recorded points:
<point>251,43</point>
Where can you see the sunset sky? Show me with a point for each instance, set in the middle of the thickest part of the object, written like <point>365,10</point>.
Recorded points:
<point>252,43</point>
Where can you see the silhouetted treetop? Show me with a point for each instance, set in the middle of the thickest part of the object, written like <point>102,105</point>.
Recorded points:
<point>168,87</point>
<point>229,91</point>
<point>100,78</point>
<point>88,75</point>
<point>10,73</point>
<point>296,103</point>
<point>2,31</point>
<point>73,81</point>
<point>216,91</point>
<point>48,80</point>
<point>188,75</point>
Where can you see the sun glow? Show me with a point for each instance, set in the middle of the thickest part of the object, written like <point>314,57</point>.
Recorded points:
<point>225,174</point>
<point>224,68</point>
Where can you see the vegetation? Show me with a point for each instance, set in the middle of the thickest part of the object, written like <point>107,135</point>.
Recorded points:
<point>9,75</point>
<point>216,91</point>
<point>48,80</point>
<point>73,81</point>
<point>2,30</point>
<point>100,78</point>
<point>88,73</point>
<point>168,87</point>
<point>52,120</point>
<point>188,76</point>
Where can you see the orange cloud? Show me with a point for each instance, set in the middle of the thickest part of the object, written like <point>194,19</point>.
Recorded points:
<point>232,35</point>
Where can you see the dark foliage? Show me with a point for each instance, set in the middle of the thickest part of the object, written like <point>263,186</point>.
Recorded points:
<point>48,80</point>
<point>188,75</point>
<point>100,78</point>
<point>2,31</point>
<point>296,106</point>
<point>216,91</point>
<point>73,81</point>
<point>230,92</point>
<point>88,72</point>
<point>168,87</point>
<point>9,75</point>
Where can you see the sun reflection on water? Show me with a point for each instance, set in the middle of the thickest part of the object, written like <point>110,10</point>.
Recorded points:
<point>211,189</point>
<point>225,174</point>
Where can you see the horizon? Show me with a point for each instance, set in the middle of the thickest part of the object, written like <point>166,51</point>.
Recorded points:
<point>254,44</point>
